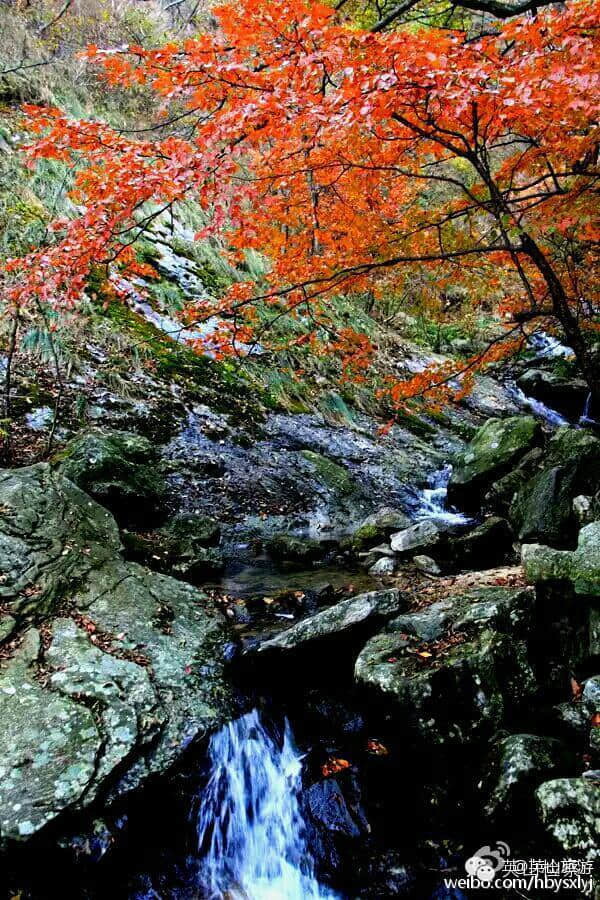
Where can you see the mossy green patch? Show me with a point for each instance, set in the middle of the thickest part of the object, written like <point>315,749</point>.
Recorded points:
<point>329,472</point>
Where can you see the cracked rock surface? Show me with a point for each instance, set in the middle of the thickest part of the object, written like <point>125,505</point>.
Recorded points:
<point>107,671</point>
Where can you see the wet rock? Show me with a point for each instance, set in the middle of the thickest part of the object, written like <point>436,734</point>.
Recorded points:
<point>566,395</point>
<point>295,549</point>
<point>500,494</point>
<point>518,764</point>
<point>496,448</point>
<point>119,470</point>
<point>384,566</point>
<point>420,536</point>
<point>569,809</point>
<point>581,567</point>
<point>343,619</point>
<point>184,548</point>
<point>389,876</point>
<point>130,669</point>
<point>454,670</point>
<point>427,565</point>
<point>485,546</point>
<point>378,527</point>
<point>579,449</point>
<point>336,821</point>
<point>542,510</point>
<point>591,706</point>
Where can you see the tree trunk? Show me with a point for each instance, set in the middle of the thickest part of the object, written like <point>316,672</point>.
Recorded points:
<point>590,367</point>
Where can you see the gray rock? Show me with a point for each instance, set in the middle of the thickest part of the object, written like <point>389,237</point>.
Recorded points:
<point>422,535</point>
<point>496,448</point>
<point>581,567</point>
<point>518,764</point>
<point>584,510</point>
<point>295,549</point>
<point>426,564</point>
<point>378,527</point>
<point>337,620</point>
<point>466,666</point>
<point>487,545</point>
<point>130,669</point>
<point>119,470</point>
<point>542,510</point>
<point>384,566</point>
<point>569,809</point>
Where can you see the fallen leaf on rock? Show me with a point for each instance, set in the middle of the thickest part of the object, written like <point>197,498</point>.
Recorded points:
<point>333,766</point>
<point>377,748</point>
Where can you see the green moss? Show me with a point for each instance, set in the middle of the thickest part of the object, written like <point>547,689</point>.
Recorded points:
<point>330,473</point>
<point>218,384</point>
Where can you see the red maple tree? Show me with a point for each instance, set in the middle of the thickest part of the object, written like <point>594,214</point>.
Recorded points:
<point>351,159</point>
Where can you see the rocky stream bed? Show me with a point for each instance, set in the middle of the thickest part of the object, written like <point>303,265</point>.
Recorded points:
<point>262,654</point>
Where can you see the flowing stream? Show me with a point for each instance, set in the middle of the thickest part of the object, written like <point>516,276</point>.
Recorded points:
<point>251,832</point>
<point>433,501</point>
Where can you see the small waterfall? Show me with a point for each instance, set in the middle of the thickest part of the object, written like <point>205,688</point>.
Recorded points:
<point>539,409</point>
<point>251,833</point>
<point>433,501</point>
<point>585,418</point>
<point>547,345</point>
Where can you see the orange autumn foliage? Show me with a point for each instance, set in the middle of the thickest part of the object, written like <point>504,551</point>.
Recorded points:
<point>351,159</point>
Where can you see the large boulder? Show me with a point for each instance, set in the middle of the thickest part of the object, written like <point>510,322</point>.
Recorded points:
<point>109,671</point>
<point>569,809</point>
<point>581,567</point>
<point>119,470</point>
<point>496,448</point>
<point>341,622</point>
<point>578,449</point>
<point>487,545</point>
<point>421,536</point>
<point>453,670</point>
<point>542,510</point>
<point>517,765</point>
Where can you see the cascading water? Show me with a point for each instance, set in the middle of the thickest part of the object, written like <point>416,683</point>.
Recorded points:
<point>586,417</point>
<point>546,345</point>
<point>539,409</point>
<point>433,501</point>
<point>251,833</point>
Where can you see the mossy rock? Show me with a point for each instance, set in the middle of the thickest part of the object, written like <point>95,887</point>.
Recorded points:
<point>580,567</point>
<point>518,764</point>
<point>542,510</point>
<point>286,547</point>
<point>119,470</point>
<point>579,449</point>
<point>495,449</point>
<point>330,473</point>
<point>454,671</point>
<point>569,809</point>
<point>133,661</point>
<point>377,528</point>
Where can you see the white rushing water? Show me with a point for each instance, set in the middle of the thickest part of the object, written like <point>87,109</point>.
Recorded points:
<point>539,409</point>
<point>547,345</point>
<point>251,833</point>
<point>433,501</point>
